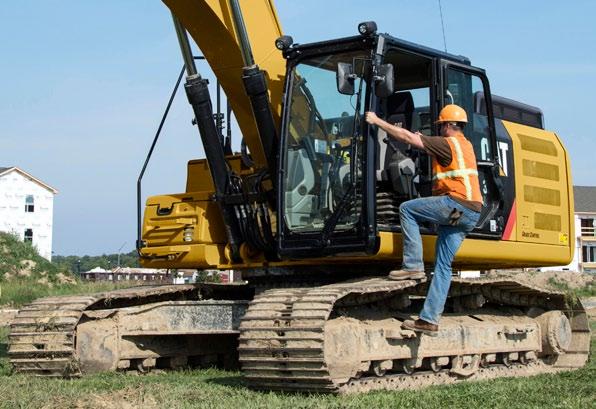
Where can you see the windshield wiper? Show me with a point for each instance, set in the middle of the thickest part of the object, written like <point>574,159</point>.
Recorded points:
<point>339,211</point>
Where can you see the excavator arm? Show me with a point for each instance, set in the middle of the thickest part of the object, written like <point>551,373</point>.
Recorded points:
<point>211,25</point>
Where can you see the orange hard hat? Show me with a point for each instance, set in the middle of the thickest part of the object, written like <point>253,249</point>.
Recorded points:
<point>452,113</point>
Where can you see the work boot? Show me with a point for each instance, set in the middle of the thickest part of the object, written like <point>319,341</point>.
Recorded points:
<point>406,275</point>
<point>421,326</point>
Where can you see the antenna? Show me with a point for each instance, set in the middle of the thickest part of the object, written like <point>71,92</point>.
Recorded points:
<point>442,26</point>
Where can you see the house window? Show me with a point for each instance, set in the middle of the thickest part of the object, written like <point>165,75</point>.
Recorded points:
<point>29,205</point>
<point>29,235</point>
<point>588,254</point>
<point>588,227</point>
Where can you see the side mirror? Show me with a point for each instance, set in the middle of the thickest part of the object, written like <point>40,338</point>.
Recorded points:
<point>345,78</point>
<point>384,81</point>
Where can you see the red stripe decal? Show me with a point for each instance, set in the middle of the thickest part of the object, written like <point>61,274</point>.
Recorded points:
<point>510,222</point>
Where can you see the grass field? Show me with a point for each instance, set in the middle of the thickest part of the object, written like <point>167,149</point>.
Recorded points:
<point>18,293</point>
<point>214,389</point>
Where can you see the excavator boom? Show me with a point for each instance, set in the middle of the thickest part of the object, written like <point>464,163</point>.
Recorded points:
<point>210,23</point>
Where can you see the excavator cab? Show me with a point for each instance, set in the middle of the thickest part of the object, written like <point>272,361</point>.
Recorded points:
<point>342,181</point>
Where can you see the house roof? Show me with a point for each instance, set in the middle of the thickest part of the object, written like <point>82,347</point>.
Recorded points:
<point>585,198</point>
<point>5,170</point>
<point>97,270</point>
<point>138,270</point>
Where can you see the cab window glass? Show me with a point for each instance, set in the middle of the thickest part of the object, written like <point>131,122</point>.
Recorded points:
<point>409,106</point>
<point>467,91</point>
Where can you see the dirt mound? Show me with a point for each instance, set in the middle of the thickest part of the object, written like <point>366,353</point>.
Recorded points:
<point>21,261</point>
<point>65,279</point>
<point>45,281</point>
<point>549,279</point>
<point>6,315</point>
<point>26,268</point>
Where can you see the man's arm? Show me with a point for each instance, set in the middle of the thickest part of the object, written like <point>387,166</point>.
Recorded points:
<point>396,132</point>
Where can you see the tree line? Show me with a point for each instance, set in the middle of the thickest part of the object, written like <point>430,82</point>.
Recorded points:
<point>79,264</point>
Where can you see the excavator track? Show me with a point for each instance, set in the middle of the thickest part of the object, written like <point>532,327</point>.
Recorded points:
<point>284,334</point>
<point>42,338</point>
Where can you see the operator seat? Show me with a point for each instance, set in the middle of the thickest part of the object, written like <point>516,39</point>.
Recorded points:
<point>399,110</point>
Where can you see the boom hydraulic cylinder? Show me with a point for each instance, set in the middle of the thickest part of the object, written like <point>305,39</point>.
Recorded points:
<point>197,92</point>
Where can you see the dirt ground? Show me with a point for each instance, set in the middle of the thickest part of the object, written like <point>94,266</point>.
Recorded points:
<point>545,279</point>
<point>127,398</point>
<point>555,280</point>
<point>590,306</point>
<point>6,315</point>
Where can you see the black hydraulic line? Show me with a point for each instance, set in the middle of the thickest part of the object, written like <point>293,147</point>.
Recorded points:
<point>218,114</point>
<point>228,140</point>
<point>155,138</point>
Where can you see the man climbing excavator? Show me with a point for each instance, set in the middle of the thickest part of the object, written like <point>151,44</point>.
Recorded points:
<point>309,213</point>
<point>454,208</point>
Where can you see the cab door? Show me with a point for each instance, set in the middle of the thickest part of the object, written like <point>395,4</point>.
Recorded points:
<point>468,87</point>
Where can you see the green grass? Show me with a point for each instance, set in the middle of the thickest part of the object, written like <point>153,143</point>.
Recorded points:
<point>13,252</point>
<point>26,276</point>
<point>215,388</point>
<point>588,290</point>
<point>18,293</point>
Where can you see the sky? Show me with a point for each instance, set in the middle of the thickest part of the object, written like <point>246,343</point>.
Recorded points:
<point>83,85</point>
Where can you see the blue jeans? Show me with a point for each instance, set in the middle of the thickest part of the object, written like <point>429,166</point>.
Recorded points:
<point>437,210</point>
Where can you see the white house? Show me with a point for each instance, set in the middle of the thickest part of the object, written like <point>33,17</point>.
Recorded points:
<point>27,208</point>
<point>128,274</point>
<point>584,258</point>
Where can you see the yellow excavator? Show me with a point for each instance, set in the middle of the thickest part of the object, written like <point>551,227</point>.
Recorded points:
<point>309,213</point>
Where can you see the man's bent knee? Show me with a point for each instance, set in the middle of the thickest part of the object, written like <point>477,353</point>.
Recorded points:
<point>404,208</point>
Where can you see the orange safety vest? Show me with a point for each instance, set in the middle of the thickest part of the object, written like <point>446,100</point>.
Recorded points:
<point>460,177</point>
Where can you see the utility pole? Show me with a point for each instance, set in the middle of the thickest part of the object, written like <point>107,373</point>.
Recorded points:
<point>123,244</point>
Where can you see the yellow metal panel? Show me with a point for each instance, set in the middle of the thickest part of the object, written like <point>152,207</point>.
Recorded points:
<point>543,186</point>
<point>210,24</point>
<point>198,177</point>
<point>183,256</point>
<point>196,213</point>
<point>478,253</point>
<point>473,254</point>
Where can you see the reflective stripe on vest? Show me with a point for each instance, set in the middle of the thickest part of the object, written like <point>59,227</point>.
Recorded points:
<point>449,179</point>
